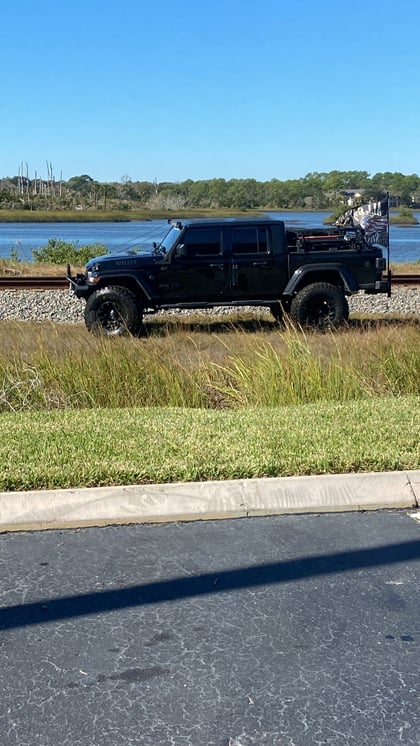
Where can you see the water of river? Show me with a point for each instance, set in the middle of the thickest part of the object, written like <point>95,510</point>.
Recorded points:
<point>23,237</point>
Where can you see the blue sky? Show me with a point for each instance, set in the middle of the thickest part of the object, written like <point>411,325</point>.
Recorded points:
<point>172,90</point>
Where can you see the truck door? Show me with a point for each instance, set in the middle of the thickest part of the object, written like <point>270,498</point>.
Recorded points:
<point>258,270</point>
<point>199,269</point>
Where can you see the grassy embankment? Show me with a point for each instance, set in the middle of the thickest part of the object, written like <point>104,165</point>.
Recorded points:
<point>205,399</point>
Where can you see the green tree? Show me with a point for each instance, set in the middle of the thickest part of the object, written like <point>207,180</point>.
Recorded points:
<point>81,184</point>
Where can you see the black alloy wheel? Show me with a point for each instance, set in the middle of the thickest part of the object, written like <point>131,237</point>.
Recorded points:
<point>320,305</point>
<point>113,311</point>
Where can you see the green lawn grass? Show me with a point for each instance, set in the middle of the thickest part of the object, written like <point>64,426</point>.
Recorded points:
<point>205,398</point>
<point>97,447</point>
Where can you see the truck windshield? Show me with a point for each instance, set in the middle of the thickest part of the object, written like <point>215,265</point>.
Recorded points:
<point>169,240</point>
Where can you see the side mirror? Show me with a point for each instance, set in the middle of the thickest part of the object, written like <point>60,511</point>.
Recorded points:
<point>181,250</point>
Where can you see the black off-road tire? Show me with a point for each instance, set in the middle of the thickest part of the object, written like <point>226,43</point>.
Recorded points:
<point>320,305</point>
<point>113,311</point>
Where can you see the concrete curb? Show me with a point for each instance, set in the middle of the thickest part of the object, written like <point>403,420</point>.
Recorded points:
<point>190,501</point>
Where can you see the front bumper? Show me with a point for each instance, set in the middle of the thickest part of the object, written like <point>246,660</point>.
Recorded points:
<point>78,284</point>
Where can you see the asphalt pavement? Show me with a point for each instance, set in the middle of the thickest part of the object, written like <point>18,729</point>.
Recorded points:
<point>289,630</point>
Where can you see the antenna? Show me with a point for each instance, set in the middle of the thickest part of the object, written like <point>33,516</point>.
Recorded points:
<point>387,248</point>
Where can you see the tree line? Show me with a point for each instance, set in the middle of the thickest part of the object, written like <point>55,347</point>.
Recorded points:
<point>314,191</point>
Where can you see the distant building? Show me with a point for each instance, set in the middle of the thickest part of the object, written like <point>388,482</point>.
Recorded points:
<point>352,196</point>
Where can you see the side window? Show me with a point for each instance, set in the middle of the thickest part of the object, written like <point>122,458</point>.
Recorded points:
<point>292,240</point>
<point>202,241</point>
<point>250,240</point>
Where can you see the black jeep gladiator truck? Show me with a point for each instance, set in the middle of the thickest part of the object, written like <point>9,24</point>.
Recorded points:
<point>305,273</point>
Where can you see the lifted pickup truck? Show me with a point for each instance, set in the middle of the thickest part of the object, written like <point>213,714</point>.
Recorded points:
<point>232,262</point>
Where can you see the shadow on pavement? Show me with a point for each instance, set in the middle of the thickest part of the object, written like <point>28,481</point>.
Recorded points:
<point>287,571</point>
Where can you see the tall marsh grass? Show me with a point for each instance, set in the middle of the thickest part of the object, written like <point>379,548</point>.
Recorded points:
<point>266,378</point>
<point>59,367</point>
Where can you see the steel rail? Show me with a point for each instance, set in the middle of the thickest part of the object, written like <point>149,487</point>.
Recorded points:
<point>41,282</point>
<point>405,279</point>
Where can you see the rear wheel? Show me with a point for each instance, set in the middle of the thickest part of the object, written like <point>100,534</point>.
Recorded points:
<point>113,312</point>
<point>319,305</point>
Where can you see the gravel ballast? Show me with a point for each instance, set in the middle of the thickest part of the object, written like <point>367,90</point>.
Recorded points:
<point>61,306</point>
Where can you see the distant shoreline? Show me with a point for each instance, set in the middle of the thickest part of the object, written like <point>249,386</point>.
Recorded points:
<point>99,216</point>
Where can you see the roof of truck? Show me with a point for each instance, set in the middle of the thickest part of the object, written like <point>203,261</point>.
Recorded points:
<point>222,221</point>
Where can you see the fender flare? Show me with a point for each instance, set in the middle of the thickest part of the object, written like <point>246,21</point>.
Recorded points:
<point>130,281</point>
<point>349,282</point>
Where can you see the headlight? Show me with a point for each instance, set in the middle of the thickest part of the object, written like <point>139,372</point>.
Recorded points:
<point>92,277</point>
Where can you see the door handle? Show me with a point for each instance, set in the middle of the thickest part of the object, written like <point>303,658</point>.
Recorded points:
<point>217,266</point>
<point>264,265</point>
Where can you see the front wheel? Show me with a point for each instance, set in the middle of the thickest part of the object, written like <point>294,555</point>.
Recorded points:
<point>113,312</point>
<point>319,305</point>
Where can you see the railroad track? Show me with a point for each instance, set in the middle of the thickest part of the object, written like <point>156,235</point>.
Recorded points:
<point>405,279</point>
<point>42,282</point>
<point>20,282</point>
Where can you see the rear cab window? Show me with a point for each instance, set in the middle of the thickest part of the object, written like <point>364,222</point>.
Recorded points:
<point>250,240</point>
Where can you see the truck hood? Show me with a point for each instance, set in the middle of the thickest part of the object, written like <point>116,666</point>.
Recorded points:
<point>121,259</point>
